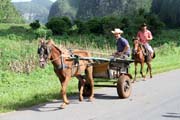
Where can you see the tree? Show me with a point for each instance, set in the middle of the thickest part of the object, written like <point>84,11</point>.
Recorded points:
<point>59,25</point>
<point>168,11</point>
<point>8,13</point>
<point>82,27</point>
<point>35,25</point>
<point>95,26</point>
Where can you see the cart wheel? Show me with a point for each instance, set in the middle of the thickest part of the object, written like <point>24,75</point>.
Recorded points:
<point>87,89</point>
<point>124,86</point>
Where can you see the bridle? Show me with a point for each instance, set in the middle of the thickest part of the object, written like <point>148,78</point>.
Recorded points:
<point>137,45</point>
<point>47,49</point>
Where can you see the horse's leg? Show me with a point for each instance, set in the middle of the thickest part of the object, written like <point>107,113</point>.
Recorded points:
<point>141,71</point>
<point>150,69</point>
<point>89,74</point>
<point>135,65</point>
<point>64,84</point>
<point>147,70</point>
<point>82,83</point>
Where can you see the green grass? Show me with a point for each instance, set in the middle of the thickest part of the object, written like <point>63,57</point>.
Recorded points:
<point>23,83</point>
<point>22,90</point>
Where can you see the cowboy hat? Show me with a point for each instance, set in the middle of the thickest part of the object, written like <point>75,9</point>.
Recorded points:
<point>143,25</point>
<point>117,31</point>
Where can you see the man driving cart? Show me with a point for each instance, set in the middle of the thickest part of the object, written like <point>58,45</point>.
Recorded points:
<point>123,47</point>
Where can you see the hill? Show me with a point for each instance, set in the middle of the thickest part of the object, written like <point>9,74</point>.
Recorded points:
<point>64,8</point>
<point>8,13</point>
<point>83,9</point>
<point>99,8</point>
<point>33,10</point>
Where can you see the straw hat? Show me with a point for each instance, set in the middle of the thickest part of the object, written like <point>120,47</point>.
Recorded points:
<point>117,31</point>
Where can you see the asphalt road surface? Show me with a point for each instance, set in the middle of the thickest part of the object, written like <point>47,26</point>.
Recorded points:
<point>155,99</point>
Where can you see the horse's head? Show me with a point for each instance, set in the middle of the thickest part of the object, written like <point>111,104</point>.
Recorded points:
<point>44,52</point>
<point>48,51</point>
<point>135,45</point>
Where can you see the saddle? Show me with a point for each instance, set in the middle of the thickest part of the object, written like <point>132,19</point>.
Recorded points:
<point>146,52</point>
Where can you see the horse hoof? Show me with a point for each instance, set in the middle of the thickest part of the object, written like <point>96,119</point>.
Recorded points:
<point>80,99</point>
<point>63,106</point>
<point>67,102</point>
<point>90,99</point>
<point>133,81</point>
<point>144,79</point>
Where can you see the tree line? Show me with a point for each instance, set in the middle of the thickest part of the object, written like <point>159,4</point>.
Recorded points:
<point>103,25</point>
<point>168,11</point>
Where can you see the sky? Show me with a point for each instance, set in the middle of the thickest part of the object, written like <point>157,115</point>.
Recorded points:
<point>25,0</point>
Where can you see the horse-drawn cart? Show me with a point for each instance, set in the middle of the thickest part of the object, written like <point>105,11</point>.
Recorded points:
<point>109,70</point>
<point>76,62</point>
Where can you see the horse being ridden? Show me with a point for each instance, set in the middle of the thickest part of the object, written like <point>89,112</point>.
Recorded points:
<point>140,55</point>
<point>65,68</point>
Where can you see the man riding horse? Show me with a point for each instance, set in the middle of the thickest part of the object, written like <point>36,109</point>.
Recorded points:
<point>144,35</point>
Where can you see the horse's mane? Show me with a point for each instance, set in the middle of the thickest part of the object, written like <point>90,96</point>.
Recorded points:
<point>61,49</point>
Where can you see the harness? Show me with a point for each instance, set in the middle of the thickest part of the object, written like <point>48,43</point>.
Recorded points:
<point>75,68</point>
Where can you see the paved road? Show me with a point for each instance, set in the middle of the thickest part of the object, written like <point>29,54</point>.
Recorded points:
<point>154,99</point>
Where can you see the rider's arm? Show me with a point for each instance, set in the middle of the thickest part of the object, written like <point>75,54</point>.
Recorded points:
<point>126,49</point>
<point>149,37</point>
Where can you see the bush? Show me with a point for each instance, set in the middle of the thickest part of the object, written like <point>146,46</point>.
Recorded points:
<point>43,33</point>
<point>154,23</point>
<point>109,23</point>
<point>95,26</point>
<point>59,25</point>
<point>82,27</point>
<point>35,25</point>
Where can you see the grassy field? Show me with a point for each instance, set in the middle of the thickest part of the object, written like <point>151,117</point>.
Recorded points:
<point>23,83</point>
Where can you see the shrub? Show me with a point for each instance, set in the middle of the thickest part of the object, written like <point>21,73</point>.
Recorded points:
<point>43,33</point>
<point>82,27</point>
<point>59,25</point>
<point>154,23</point>
<point>35,25</point>
<point>109,23</point>
<point>95,26</point>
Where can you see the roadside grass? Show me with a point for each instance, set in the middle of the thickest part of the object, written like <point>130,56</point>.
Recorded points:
<point>23,83</point>
<point>22,90</point>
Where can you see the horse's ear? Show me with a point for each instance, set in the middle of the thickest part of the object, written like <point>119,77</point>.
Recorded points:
<point>51,41</point>
<point>42,41</point>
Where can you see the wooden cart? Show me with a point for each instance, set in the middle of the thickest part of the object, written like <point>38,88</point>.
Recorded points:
<point>114,71</point>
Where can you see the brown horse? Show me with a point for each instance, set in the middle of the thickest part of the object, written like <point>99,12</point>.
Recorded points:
<point>65,67</point>
<point>140,57</point>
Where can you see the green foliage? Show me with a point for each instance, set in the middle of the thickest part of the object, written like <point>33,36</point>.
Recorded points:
<point>168,11</point>
<point>82,27</point>
<point>109,23</point>
<point>59,25</point>
<point>95,26</point>
<point>8,13</point>
<point>129,24</point>
<point>43,33</point>
<point>35,25</point>
<point>155,24</point>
